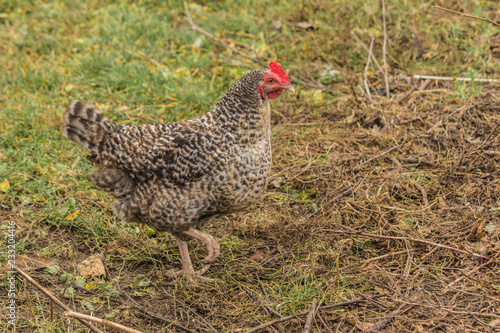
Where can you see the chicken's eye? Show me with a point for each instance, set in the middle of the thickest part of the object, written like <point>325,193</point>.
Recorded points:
<point>270,80</point>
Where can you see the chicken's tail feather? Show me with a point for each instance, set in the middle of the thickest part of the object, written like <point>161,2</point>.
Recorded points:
<point>86,125</point>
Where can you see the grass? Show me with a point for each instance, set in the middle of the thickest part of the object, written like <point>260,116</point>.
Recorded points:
<point>141,63</point>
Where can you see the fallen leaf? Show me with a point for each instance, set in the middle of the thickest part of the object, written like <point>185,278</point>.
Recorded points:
<point>5,185</point>
<point>92,266</point>
<point>490,228</point>
<point>306,194</point>
<point>80,283</point>
<point>73,215</point>
<point>54,269</point>
<point>69,292</point>
<point>69,87</point>
<point>477,231</point>
<point>86,304</point>
<point>66,277</point>
<point>150,232</point>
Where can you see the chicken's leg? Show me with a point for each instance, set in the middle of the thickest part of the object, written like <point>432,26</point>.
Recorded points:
<point>213,248</point>
<point>187,266</point>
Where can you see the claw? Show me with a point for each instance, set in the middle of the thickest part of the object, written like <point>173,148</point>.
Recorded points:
<point>187,270</point>
<point>191,276</point>
<point>213,252</point>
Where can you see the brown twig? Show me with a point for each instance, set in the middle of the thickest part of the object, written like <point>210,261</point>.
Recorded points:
<point>422,191</point>
<point>310,316</point>
<point>269,309</point>
<point>304,313</point>
<point>374,301</point>
<point>452,309</point>
<point>264,291</point>
<point>108,323</point>
<point>423,85</point>
<point>429,254</point>
<point>323,322</point>
<point>384,256</point>
<point>375,157</point>
<point>331,306</point>
<point>132,303</point>
<point>145,311</point>
<point>405,96</point>
<point>449,78</point>
<point>53,298</point>
<point>409,261</point>
<point>382,323</point>
<point>394,287</point>
<point>473,270</point>
<point>467,15</point>
<point>411,239</point>
<point>346,192</point>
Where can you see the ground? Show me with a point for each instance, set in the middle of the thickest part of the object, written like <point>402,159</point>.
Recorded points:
<point>393,201</point>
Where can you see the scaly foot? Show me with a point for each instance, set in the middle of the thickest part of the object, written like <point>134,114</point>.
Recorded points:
<point>191,275</point>
<point>187,270</point>
<point>209,241</point>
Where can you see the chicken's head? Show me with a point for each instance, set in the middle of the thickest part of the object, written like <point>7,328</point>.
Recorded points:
<point>274,82</point>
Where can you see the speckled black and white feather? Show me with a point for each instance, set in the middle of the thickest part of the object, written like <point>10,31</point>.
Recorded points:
<point>176,175</point>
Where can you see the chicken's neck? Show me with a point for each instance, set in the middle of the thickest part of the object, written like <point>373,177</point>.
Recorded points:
<point>242,113</point>
<point>247,124</point>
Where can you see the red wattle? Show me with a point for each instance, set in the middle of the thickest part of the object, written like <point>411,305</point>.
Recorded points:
<point>261,90</point>
<point>274,94</point>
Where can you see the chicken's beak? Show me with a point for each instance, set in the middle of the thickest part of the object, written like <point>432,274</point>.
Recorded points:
<point>289,87</point>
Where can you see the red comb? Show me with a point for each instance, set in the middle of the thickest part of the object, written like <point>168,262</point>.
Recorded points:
<point>278,70</point>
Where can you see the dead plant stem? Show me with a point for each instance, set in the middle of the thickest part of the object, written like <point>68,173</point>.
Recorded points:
<point>105,322</point>
<point>365,81</point>
<point>368,51</point>
<point>382,323</point>
<point>54,299</point>
<point>412,240</point>
<point>375,157</point>
<point>467,15</point>
<point>310,316</point>
<point>304,313</point>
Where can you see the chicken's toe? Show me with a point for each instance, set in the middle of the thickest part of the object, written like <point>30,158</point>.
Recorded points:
<point>191,275</point>
<point>213,249</point>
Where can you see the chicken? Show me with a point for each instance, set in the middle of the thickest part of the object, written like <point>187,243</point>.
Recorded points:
<point>175,177</point>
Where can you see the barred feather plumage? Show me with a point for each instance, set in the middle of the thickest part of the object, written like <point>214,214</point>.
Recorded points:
<point>175,176</point>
